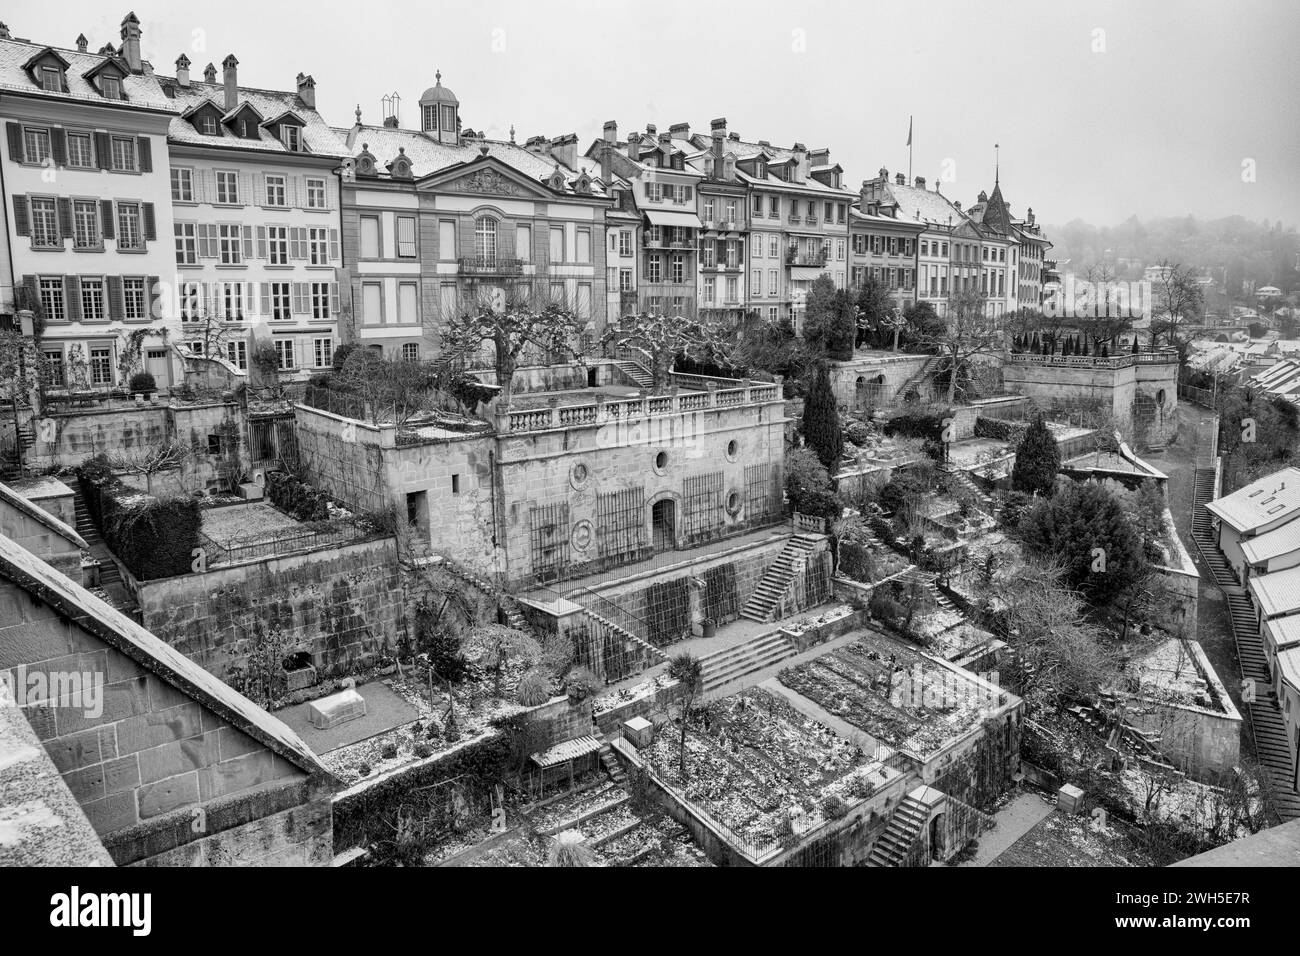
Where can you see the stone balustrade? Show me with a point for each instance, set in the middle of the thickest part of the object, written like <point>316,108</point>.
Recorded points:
<point>1163,357</point>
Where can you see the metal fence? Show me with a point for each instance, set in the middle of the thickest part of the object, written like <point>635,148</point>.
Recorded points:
<point>233,551</point>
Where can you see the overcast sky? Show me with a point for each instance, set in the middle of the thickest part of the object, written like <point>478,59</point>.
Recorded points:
<point>1102,109</point>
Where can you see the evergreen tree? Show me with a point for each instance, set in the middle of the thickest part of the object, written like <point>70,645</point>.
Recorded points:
<point>821,422</point>
<point>1135,345</point>
<point>1065,349</point>
<point>1085,347</point>
<point>1038,459</point>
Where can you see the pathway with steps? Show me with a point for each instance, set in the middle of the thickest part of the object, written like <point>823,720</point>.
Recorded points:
<point>723,667</point>
<point>906,824</point>
<point>636,372</point>
<point>110,580</point>
<point>11,458</point>
<point>915,378</point>
<point>769,595</point>
<point>1267,727</point>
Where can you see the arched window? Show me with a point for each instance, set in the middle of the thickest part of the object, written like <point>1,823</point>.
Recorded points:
<point>485,237</point>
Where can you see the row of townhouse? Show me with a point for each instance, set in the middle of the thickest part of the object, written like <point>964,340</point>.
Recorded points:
<point>153,217</point>
<point>150,217</point>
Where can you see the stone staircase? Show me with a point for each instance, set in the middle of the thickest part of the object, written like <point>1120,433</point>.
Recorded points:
<point>764,605</point>
<point>964,479</point>
<point>723,667</point>
<point>927,581</point>
<point>637,373</point>
<point>602,625</point>
<point>916,378</point>
<point>1268,729</point>
<point>613,766</point>
<point>11,459</point>
<point>906,825</point>
<point>109,577</point>
<point>506,605</point>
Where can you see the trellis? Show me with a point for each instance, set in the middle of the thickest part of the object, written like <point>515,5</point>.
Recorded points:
<point>762,492</point>
<point>668,610</point>
<point>702,506</point>
<point>621,525</point>
<point>549,537</point>
<point>721,602</point>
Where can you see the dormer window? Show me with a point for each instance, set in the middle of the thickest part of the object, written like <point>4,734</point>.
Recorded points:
<point>111,87</point>
<point>762,170</point>
<point>291,136</point>
<point>209,125</point>
<point>51,79</point>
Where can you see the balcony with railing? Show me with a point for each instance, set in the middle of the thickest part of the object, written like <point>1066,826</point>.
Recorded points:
<point>491,265</point>
<point>1126,360</point>
<point>736,223</point>
<point>793,257</point>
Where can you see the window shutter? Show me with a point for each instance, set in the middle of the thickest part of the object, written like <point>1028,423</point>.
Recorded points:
<point>106,217</point>
<point>116,305</point>
<point>103,150</point>
<point>15,133</point>
<point>33,290</point>
<point>150,224</point>
<point>145,151</point>
<point>334,245</point>
<point>297,299</point>
<point>72,298</point>
<point>248,242</point>
<point>686,192</point>
<point>259,183</point>
<point>261,242</point>
<point>246,191</point>
<point>295,194</point>
<point>59,146</point>
<point>264,294</point>
<point>334,298</point>
<point>65,218</point>
<point>329,195</point>
<point>153,297</point>
<point>22,222</point>
<point>297,243</point>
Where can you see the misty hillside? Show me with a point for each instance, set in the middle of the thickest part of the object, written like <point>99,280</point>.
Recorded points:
<point>1233,250</point>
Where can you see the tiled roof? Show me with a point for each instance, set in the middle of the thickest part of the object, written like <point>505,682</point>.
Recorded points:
<point>117,630</point>
<point>144,90</point>
<point>319,138</point>
<point>1277,593</point>
<point>1273,543</point>
<point>1263,501</point>
<point>428,156</point>
<point>855,213</point>
<point>1285,630</point>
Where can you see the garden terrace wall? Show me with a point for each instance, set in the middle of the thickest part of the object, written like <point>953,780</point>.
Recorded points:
<point>557,378</point>
<point>343,605</point>
<point>152,538</point>
<point>881,379</point>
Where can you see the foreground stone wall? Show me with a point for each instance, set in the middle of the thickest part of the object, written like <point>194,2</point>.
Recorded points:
<point>343,605</point>
<point>155,769</point>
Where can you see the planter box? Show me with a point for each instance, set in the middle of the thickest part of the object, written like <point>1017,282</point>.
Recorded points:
<point>833,624</point>
<point>300,679</point>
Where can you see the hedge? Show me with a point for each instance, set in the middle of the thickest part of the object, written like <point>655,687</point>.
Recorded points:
<point>1009,431</point>
<point>916,425</point>
<point>154,538</point>
<point>295,498</point>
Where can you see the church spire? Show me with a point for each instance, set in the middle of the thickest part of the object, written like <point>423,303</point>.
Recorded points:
<point>996,163</point>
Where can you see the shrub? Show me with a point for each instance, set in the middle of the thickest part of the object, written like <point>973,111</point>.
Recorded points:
<point>883,607</point>
<point>143,382</point>
<point>153,538</point>
<point>917,425</point>
<point>580,684</point>
<point>388,751</point>
<point>423,750</point>
<point>834,807</point>
<point>1038,459</point>
<point>534,689</point>
<point>296,498</point>
<point>341,355</point>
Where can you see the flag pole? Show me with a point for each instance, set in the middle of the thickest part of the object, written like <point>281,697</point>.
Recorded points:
<point>909,149</point>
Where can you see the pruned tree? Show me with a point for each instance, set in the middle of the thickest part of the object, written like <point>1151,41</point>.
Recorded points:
<point>392,390</point>
<point>877,319</point>
<point>967,331</point>
<point>660,338</point>
<point>1106,324</point>
<point>150,461</point>
<point>520,319</point>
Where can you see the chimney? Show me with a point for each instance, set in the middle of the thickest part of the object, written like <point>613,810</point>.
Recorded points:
<point>718,127</point>
<point>900,179</point>
<point>611,132</point>
<point>680,131</point>
<point>183,71</point>
<point>1031,215</point>
<point>800,162</point>
<point>390,121</point>
<point>131,43</point>
<point>820,157</point>
<point>564,149</point>
<point>957,204</point>
<point>920,182</point>
<point>82,42</point>
<point>4,31</point>
<point>634,146</point>
<point>735,137</point>
<point>307,91</point>
<point>209,74</point>
<point>536,144</point>
<point>231,79</point>
<point>864,195</point>
<point>651,131</point>
<point>607,163</point>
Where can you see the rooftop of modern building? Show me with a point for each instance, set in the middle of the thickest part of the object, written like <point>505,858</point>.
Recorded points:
<point>1269,500</point>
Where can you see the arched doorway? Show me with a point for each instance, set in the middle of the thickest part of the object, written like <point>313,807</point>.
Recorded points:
<point>937,842</point>
<point>663,524</point>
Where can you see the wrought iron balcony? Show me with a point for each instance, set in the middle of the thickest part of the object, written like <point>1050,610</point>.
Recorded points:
<point>491,266</point>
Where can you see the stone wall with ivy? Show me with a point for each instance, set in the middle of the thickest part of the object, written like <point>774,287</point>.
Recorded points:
<point>342,605</point>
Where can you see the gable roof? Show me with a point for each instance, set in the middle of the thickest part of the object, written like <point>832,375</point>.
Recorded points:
<point>118,631</point>
<point>1272,544</point>
<point>1277,593</point>
<point>925,205</point>
<point>37,513</point>
<point>141,91</point>
<point>1263,501</point>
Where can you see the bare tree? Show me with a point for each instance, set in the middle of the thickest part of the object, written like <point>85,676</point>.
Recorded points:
<point>1178,298</point>
<point>968,330</point>
<point>152,460</point>
<point>661,338</point>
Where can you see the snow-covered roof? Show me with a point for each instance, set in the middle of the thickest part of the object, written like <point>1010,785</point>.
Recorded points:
<point>1264,501</point>
<point>138,90</point>
<point>566,750</point>
<point>1273,543</point>
<point>1277,593</point>
<point>110,625</point>
<point>318,137</point>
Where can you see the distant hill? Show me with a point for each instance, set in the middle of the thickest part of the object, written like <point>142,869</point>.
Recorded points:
<point>1232,251</point>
